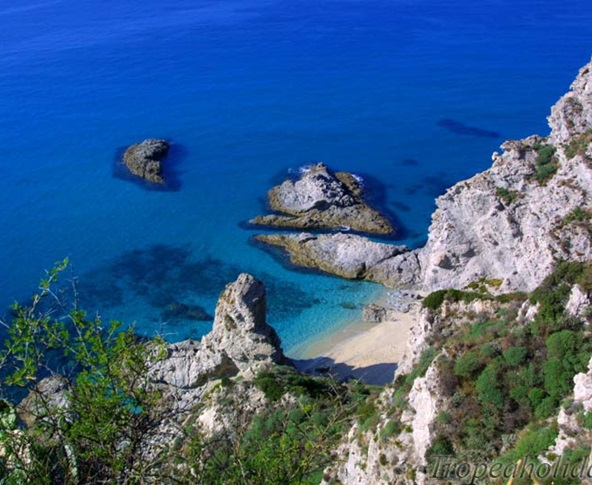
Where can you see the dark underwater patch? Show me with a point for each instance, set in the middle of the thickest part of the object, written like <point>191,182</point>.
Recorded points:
<point>284,298</point>
<point>171,170</point>
<point>435,185</point>
<point>168,279</point>
<point>459,128</point>
<point>409,162</point>
<point>401,206</point>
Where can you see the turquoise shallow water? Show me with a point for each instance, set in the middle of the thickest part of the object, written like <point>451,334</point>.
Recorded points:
<point>248,91</point>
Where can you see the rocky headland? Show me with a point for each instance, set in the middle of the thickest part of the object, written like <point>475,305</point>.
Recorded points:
<point>144,159</point>
<point>529,210</point>
<point>321,199</point>
<point>510,223</point>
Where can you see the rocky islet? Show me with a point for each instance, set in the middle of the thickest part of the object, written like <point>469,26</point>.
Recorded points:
<point>144,159</point>
<point>322,199</point>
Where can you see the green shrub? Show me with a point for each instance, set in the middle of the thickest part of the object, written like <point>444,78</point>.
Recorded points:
<point>487,387</point>
<point>588,420</point>
<point>544,172</point>
<point>487,351</point>
<point>576,215</point>
<point>435,299</point>
<point>545,163</point>
<point>441,447</point>
<point>578,144</point>
<point>280,380</point>
<point>553,292</point>
<point>515,356</point>
<point>546,408</point>
<point>468,365</point>
<point>585,278</point>
<point>508,196</point>
<point>443,418</point>
<point>391,428</point>
<point>268,383</point>
<point>534,442</point>
<point>368,415</point>
<point>563,362</point>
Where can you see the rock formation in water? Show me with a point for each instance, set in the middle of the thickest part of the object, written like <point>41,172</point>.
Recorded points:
<point>321,199</point>
<point>145,159</point>
<point>349,256</point>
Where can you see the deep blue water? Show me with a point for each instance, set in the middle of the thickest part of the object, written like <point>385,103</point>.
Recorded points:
<point>412,94</point>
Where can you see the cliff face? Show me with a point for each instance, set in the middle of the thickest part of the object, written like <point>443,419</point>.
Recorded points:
<point>528,210</point>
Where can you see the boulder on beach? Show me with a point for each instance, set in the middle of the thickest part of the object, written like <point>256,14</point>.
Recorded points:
<point>321,199</point>
<point>145,159</point>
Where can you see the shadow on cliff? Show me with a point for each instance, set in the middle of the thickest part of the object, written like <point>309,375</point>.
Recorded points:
<point>376,374</point>
<point>171,170</point>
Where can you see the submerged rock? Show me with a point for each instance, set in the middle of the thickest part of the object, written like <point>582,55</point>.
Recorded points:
<point>49,393</point>
<point>349,256</point>
<point>144,159</point>
<point>182,311</point>
<point>321,199</point>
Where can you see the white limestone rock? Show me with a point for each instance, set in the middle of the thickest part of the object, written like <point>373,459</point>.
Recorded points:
<point>579,301</point>
<point>503,223</point>
<point>346,255</point>
<point>425,401</point>
<point>321,199</point>
<point>240,340</point>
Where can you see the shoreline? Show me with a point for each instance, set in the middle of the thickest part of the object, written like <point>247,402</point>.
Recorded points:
<point>368,351</point>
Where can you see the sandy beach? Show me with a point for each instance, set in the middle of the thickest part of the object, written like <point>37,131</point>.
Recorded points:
<point>367,351</point>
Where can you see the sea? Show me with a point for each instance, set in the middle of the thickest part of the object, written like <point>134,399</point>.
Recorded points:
<point>411,95</point>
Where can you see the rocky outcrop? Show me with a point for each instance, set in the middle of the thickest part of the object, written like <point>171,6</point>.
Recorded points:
<point>578,304</point>
<point>240,326</point>
<point>572,432</point>
<point>425,402</point>
<point>528,210</point>
<point>145,159</point>
<point>349,256</point>
<point>390,306</point>
<point>240,340</point>
<point>394,452</point>
<point>49,393</point>
<point>377,313</point>
<point>321,199</point>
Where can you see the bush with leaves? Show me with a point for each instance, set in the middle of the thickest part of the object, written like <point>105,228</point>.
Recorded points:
<point>112,409</point>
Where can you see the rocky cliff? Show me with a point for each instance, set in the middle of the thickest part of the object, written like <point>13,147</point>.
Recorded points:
<point>531,208</point>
